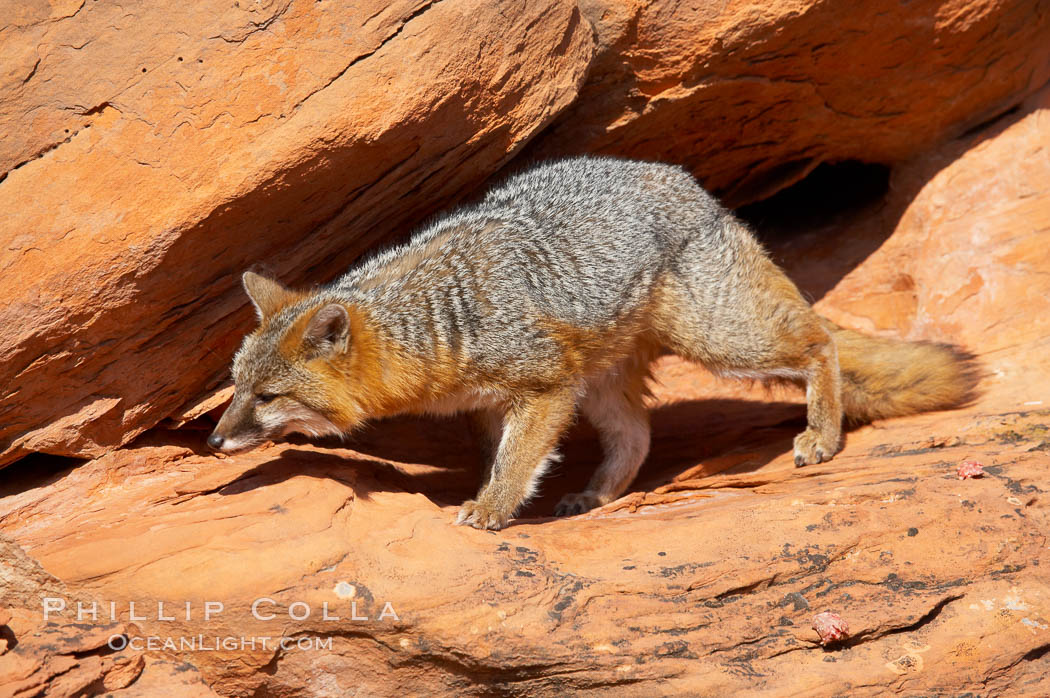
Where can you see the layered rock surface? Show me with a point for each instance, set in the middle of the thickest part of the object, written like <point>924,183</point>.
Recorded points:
<point>152,155</point>
<point>705,578</point>
<point>60,656</point>
<point>148,154</point>
<point>752,96</point>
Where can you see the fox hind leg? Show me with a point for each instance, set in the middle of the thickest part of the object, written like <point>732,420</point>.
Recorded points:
<point>614,406</point>
<point>758,327</point>
<point>823,435</point>
<point>804,353</point>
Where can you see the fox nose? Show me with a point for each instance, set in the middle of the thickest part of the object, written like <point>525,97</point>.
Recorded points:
<point>215,441</point>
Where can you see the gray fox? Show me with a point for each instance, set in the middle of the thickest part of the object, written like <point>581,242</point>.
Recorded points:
<point>554,293</point>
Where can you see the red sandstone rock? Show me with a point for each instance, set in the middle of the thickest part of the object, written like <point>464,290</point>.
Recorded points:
<point>705,579</point>
<point>969,469</point>
<point>753,95</point>
<point>63,655</point>
<point>148,157</point>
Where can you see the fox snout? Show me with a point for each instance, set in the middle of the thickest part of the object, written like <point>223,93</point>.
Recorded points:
<point>252,419</point>
<point>219,442</point>
<point>238,429</point>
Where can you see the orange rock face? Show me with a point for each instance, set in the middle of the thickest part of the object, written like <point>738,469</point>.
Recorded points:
<point>754,95</point>
<point>148,154</point>
<point>148,157</point>
<point>706,578</point>
<point>61,656</point>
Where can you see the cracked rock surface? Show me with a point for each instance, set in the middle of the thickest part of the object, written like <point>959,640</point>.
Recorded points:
<point>705,578</point>
<point>63,657</point>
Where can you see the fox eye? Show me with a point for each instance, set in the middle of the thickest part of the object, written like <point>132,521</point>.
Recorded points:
<point>266,397</point>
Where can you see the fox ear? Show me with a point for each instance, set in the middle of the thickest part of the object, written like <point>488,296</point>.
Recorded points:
<point>267,295</point>
<point>328,333</point>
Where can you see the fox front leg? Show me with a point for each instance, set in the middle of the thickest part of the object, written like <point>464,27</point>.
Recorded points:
<point>486,426</point>
<point>530,432</point>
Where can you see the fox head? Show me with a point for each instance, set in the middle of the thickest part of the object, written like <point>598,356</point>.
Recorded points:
<point>290,374</point>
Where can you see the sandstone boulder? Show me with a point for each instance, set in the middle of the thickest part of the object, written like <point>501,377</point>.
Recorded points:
<point>60,656</point>
<point>754,95</point>
<point>706,578</point>
<point>149,155</point>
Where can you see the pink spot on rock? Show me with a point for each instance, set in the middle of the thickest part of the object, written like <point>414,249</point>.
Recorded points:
<point>968,469</point>
<point>830,627</point>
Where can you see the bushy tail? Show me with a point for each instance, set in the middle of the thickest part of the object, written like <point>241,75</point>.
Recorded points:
<point>889,378</point>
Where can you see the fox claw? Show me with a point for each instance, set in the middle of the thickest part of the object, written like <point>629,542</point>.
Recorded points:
<point>579,503</point>
<point>481,516</point>
<point>809,450</point>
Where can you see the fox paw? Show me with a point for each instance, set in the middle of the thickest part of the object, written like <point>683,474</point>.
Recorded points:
<point>481,515</point>
<point>811,449</point>
<point>572,504</point>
